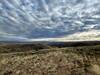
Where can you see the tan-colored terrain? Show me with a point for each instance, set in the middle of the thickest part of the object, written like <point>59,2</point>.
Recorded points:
<point>51,61</point>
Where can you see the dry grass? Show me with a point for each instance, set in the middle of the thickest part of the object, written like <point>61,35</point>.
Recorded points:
<point>54,61</point>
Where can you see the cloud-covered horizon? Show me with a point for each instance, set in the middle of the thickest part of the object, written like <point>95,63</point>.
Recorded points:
<point>40,19</point>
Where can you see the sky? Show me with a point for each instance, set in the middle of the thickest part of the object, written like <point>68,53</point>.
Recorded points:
<point>30,20</point>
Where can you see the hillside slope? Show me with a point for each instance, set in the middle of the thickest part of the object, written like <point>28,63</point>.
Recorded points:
<point>53,61</point>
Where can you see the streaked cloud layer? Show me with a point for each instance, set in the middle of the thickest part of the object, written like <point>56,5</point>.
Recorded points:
<point>32,19</point>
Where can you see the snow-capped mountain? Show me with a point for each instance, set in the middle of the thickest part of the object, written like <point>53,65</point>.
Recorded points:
<point>32,19</point>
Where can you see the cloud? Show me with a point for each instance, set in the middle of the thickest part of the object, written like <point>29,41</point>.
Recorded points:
<point>48,18</point>
<point>80,36</point>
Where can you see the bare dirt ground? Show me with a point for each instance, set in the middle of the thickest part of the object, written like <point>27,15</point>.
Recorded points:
<point>53,61</point>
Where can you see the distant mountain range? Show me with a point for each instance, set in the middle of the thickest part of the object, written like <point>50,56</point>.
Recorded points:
<point>46,44</point>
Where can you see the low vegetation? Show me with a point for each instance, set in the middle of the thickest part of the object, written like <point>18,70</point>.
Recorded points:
<point>47,60</point>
